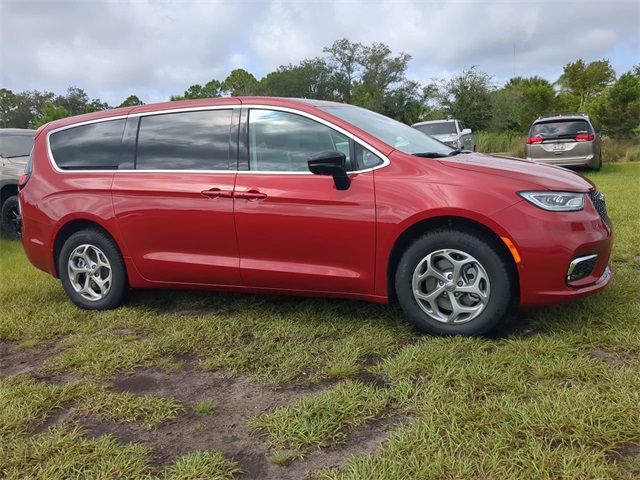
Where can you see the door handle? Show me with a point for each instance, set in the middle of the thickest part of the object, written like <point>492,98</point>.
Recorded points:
<point>251,195</point>
<point>216,192</point>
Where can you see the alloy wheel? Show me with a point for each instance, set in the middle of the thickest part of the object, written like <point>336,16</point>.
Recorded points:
<point>451,286</point>
<point>90,272</point>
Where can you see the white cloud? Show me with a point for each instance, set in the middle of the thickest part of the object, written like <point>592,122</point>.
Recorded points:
<point>155,49</point>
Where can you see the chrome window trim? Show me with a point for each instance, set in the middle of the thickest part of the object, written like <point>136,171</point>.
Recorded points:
<point>385,159</point>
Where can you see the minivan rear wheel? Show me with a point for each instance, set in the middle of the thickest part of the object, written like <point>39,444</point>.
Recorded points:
<point>451,282</point>
<point>92,271</point>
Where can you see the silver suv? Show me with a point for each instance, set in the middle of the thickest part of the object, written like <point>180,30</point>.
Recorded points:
<point>451,132</point>
<point>15,147</point>
<point>568,139</point>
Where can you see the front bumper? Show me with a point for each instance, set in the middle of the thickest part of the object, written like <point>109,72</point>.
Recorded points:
<point>548,242</point>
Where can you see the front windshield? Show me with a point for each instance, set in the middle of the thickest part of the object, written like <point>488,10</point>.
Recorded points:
<point>391,132</point>
<point>437,128</point>
<point>15,145</point>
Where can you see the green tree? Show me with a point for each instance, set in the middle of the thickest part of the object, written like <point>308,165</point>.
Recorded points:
<point>344,59</point>
<point>210,89</point>
<point>131,101</point>
<point>50,113</point>
<point>7,105</point>
<point>467,97</point>
<point>309,79</point>
<point>76,101</point>
<point>619,109</point>
<point>520,102</point>
<point>584,81</point>
<point>240,82</point>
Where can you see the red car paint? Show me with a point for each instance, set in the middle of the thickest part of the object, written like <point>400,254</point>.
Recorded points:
<point>281,233</point>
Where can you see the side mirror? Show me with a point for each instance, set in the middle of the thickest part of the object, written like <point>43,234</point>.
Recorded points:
<point>466,131</point>
<point>330,163</point>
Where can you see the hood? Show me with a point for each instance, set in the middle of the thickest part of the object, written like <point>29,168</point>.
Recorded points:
<point>546,177</point>
<point>445,137</point>
<point>22,160</point>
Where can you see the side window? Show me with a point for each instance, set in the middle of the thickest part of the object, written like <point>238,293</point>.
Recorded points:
<point>96,146</point>
<point>184,141</point>
<point>460,126</point>
<point>283,141</point>
<point>366,158</point>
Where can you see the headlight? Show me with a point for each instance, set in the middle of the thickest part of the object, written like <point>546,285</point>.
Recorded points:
<point>555,201</point>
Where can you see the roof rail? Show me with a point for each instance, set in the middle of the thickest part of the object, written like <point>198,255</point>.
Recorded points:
<point>563,114</point>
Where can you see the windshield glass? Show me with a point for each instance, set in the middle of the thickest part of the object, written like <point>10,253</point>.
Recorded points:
<point>391,132</point>
<point>559,129</point>
<point>437,128</point>
<point>15,145</point>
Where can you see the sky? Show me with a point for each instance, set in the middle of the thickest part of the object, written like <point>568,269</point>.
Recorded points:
<point>155,49</point>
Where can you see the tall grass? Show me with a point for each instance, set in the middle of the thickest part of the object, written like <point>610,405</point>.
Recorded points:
<point>512,144</point>
<point>508,143</point>
<point>627,150</point>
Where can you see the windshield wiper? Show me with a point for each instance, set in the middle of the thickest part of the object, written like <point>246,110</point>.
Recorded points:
<point>430,154</point>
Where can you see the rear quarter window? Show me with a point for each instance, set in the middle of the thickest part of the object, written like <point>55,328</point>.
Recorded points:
<point>560,129</point>
<point>96,146</point>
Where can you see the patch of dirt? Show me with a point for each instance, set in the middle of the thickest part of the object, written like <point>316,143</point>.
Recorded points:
<point>225,428</point>
<point>626,451</point>
<point>22,361</point>
<point>607,357</point>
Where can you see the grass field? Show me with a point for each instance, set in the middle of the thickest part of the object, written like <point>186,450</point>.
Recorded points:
<point>219,386</point>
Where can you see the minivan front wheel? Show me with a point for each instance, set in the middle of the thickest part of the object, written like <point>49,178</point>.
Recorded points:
<point>10,224</point>
<point>451,282</point>
<point>92,270</point>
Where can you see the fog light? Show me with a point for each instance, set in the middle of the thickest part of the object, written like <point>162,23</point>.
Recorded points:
<point>581,267</point>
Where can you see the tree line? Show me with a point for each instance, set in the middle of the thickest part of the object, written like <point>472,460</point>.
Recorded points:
<point>374,77</point>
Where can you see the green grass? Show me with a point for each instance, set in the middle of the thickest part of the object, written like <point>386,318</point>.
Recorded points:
<point>507,143</point>
<point>562,402</point>
<point>204,407</point>
<point>203,465</point>
<point>323,419</point>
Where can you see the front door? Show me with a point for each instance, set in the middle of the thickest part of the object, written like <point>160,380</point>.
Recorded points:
<point>175,207</point>
<point>296,231</point>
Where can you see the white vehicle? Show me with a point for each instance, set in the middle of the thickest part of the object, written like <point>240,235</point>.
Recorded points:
<point>451,132</point>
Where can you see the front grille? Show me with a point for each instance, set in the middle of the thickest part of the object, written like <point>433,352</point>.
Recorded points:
<point>597,198</point>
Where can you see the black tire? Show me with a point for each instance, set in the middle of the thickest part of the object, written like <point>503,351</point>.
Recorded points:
<point>599,165</point>
<point>119,285</point>
<point>10,223</point>
<point>482,249</point>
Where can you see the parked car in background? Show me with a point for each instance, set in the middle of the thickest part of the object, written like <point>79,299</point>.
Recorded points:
<point>451,132</point>
<point>15,146</point>
<point>305,197</point>
<point>567,139</point>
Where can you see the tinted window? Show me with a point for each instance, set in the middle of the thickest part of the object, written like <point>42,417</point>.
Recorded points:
<point>282,141</point>
<point>15,145</point>
<point>184,141</point>
<point>560,129</point>
<point>439,128</point>
<point>93,146</point>
<point>393,133</point>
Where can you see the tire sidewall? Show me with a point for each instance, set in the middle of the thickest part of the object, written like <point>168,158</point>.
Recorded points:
<point>500,284</point>
<point>8,206</point>
<point>118,272</point>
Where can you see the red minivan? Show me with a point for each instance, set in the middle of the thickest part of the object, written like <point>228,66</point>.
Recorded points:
<point>305,197</point>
